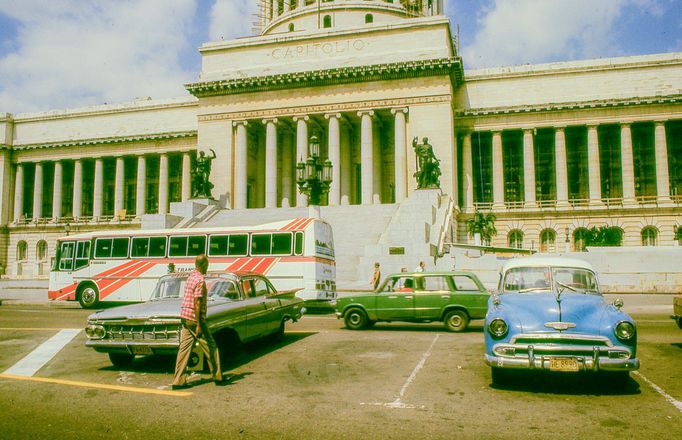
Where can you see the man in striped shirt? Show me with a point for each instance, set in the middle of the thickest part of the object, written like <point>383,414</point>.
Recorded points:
<point>194,329</point>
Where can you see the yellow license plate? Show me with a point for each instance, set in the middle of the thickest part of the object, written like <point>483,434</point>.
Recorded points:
<point>563,364</point>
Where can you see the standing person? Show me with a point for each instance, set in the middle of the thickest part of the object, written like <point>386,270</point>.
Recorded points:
<point>376,278</point>
<point>421,267</point>
<point>194,329</point>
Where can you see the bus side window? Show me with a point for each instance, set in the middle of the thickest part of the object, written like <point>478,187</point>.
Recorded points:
<point>157,246</point>
<point>103,248</point>
<point>281,243</point>
<point>140,247</point>
<point>82,254</point>
<point>120,247</point>
<point>196,245</point>
<point>260,244</point>
<point>238,244</point>
<point>298,245</point>
<point>217,245</point>
<point>178,247</point>
<point>66,256</point>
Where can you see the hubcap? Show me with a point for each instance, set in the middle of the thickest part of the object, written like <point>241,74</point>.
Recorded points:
<point>455,321</point>
<point>355,318</point>
<point>88,295</point>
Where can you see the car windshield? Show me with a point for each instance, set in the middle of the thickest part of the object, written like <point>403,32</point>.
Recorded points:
<point>174,287</point>
<point>538,279</point>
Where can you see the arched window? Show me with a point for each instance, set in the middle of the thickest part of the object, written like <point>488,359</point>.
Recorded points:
<point>649,236</point>
<point>515,239</point>
<point>369,18</point>
<point>580,239</point>
<point>291,27</point>
<point>41,250</point>
<point>327,21</point>
<point>547,240</point>
<point>22,249</point>
<point>678,234</point>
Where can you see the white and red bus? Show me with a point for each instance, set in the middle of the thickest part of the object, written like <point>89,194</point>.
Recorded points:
<point>125,265</point>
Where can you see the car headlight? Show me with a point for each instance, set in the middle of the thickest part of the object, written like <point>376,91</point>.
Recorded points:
<point>95,331</point>
<point>625,330</point>
<point>498,328</point>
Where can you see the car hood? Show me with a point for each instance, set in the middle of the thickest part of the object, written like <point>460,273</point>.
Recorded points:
<point>531,311</point>
<point>163,308</point>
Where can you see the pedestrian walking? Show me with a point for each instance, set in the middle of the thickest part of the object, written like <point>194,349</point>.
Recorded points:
<point>376,277</point>
<point>421,267</point>
<point>194,329</point>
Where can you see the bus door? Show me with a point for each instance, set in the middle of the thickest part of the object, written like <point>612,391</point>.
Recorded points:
<point>62,274</point>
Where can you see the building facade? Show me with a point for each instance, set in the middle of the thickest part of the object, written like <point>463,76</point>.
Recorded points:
<point>552,150</point>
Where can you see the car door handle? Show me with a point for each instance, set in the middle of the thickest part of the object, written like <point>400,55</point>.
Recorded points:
<point>392,296</point>
<point>445,296</point>
<point>408,297</point>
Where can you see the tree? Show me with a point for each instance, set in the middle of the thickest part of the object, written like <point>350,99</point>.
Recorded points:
<point>483,224</point>
<point>604,236</point>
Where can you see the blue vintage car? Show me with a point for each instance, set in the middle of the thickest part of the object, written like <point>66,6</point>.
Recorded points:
<point>548,314</point>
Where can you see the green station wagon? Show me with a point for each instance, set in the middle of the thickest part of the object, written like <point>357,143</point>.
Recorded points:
<point>454,298</point>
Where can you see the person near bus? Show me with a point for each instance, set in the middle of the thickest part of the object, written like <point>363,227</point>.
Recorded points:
<point>194,329</point>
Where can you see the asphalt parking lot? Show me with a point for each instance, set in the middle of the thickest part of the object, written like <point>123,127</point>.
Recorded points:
<point>395,381</point>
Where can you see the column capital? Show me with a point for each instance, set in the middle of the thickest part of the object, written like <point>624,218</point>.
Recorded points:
<point>496,132</point>
<point>531,130</point>
<point>362,113</point>
<point>624,124</point>
<point>658,122</point>
<point>594,125</point>
<point>268,120</point>
<point>400,109</point>
<point>301,118</point>
<point>332,115</point>
<point>560,128</point>
<point>240,122</point>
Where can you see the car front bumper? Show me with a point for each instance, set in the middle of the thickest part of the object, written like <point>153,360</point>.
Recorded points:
<point>543,362</point>
<point>133,347</point>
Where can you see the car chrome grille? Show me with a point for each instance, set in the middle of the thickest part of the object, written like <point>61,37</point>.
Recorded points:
<point>560,344</point>
<point>143,332</point>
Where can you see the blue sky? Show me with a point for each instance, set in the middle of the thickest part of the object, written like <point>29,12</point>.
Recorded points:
<point>57,54</point>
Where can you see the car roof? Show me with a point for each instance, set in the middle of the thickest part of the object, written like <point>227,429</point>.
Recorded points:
<point>541,260</point>
<point>215,273</point>
<point>425,273</point>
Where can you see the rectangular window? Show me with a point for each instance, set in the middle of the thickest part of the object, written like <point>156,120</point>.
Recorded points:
<point>82,254</point>
<point>298,247</point>
<point>281,243</point>
<point>260,244</point>
<point>140,247</point>
<point>238,244</point>
<point>103,248</point>
<point>120,247</point>
<point>464,283</point>
<point>178,247</point>
<point>436,284</point>
<point>157,246</point>
<point>196,245</point>
<point>66,256</point>
<point>217,245</point>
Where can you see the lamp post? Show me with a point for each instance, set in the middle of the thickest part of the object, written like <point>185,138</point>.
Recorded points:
<point>568,240</point>
<point>67,228</point>
<point>314,177</point>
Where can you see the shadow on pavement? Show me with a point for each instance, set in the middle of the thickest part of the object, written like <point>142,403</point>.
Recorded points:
<point>580,384</point>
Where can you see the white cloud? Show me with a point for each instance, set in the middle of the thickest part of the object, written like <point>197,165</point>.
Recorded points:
<point>532,31</point>
<point>232,19</point>
<point>74,53</point>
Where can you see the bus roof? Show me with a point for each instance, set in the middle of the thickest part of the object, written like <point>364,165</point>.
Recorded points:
<point>297,224</point>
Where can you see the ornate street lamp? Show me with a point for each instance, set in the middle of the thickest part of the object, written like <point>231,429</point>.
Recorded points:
<point>312,176</point>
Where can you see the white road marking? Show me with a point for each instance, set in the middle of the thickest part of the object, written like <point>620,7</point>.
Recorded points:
<point>674,402</point>
<point>397,403</point>
<point>35,360</point>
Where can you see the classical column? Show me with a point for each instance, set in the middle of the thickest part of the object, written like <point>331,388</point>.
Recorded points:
<point>334,144</point>
<point>240,175</point>
<point>38,192</point>
<point>57,191</point>
<point>529,169</point>
<point>498,171</point>
<point>98,191</point>
<point>662,176</point>
<point>270,162</point>
<point>346,165</point>
<point>467,173</point>
<point>287,169</point>
<point>77,189</point>
<point>377,164</point>
<point>163,184</point>
<point>141,187</point>
<point>593,166</point>
<point>627,165</point>
<point>186,177</point>
<point>301,150</point>
<point>275,9</point>
<point>366,156</point>
<point>400,139</point>
<point>18,192</point>
<point>286,6</point>
<point>119,187</point>
<point>560,163</point>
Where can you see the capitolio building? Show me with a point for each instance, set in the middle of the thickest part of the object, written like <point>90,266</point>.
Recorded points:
<point>550,149</point>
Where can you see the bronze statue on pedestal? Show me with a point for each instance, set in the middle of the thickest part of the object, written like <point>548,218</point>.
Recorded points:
<point>200,175</point>
<point>428,168</point>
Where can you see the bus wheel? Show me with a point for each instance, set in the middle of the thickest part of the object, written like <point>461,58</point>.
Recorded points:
<point>121,359</point>
<point>88,297</point>
<point>355,319</point>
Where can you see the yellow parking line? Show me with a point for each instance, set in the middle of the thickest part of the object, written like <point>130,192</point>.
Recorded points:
<point>98,385</point>
<point>32,329</point>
